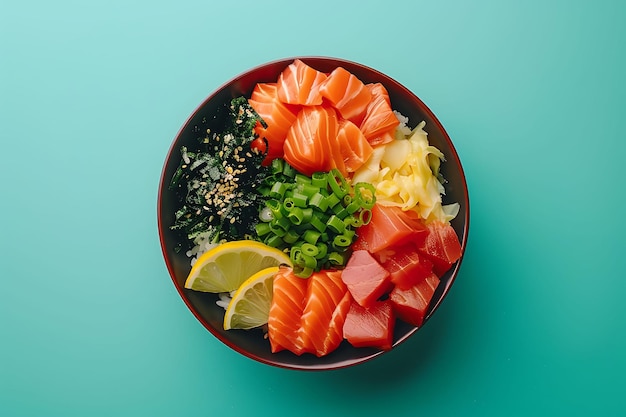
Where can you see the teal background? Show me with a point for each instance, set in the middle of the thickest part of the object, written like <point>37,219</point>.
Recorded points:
<point>91,96</point>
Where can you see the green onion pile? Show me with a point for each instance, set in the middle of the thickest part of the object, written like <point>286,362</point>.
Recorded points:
<point>314,217</point>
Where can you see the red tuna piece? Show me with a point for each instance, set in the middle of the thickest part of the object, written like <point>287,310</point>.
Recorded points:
<point>390,227</point>
<point>410,305</point>
<point>441,246</point>
<point>370,327</point>
<point>365,278</point>
<point>406,266</point>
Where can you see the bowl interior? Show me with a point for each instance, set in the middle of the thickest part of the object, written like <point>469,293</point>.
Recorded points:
<point>210,115</point>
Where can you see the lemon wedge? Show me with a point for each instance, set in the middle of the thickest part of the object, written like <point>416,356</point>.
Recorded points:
<point>225,267</point>
<point>250,305</point>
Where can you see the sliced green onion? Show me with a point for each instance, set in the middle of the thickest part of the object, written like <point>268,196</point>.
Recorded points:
<point>335,258</point>
<point>351,221</point>
<point>302,179</point>
<point>299,199</point>
<point>309,249</point>
<point>291,236</point>
<point>318,201</point>
<point>318,223</point>
<point>353,207</point>
<point>275,207</point>
<point>294,254</point>
<point>283,223</point>
<point>277,166</point>
<point>342,242</point>
<point>287,205</point>
<point>278,230</point>
<point>335,224</point>
<point>332,200</point>
<point>262,228</point>
<point>365,216</point>
<point>274,241</point>
<point>337,183</point>
<point>278,190</point>
<point>295,215</point>
<point>319,179</point>
<point>314,217</point>
<point>349,233</point>
<point>307,189</point>
<point>365,194</point>
<point>289,171</point>
<point>266,215</point>
<point>311,236</point>
<point>306,260</point>
<point>340,211</point>
<point>322,249</point>
<point>303,272</point>
<point>307,214</point>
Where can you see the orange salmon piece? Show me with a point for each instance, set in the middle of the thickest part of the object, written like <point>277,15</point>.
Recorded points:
<point>299,84</point>
<point>327,305</point>
<point>380,122</point>
<point>353,146</point>
<point>308,315</point>
<point>284,321</point>
<point>311,143</point>
<point>347,94</point>
<point>278,116</point>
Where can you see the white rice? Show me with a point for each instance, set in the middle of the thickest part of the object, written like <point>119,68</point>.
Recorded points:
<point>224,300</point>
<point>404,123</point>
<point>201,245</point>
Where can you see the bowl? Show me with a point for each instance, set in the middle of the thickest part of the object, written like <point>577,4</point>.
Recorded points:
<point>250,343</point>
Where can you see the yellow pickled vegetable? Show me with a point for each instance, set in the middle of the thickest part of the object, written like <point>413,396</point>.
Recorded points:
<point>405,174</point>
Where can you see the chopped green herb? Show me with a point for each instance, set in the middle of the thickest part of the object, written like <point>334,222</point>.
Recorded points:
<point>214,181</point>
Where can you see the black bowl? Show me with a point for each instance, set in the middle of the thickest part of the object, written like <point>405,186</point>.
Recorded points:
<point>209,115</point>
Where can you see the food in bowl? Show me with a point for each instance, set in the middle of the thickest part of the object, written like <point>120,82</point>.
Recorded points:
<point>315,212</point>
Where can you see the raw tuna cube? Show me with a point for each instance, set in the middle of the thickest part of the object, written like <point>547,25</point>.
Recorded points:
<point>441,246</point>
<point>365,278</point>
<point>410,305</point>
<point>406,266</point>
<point>370,327</point>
